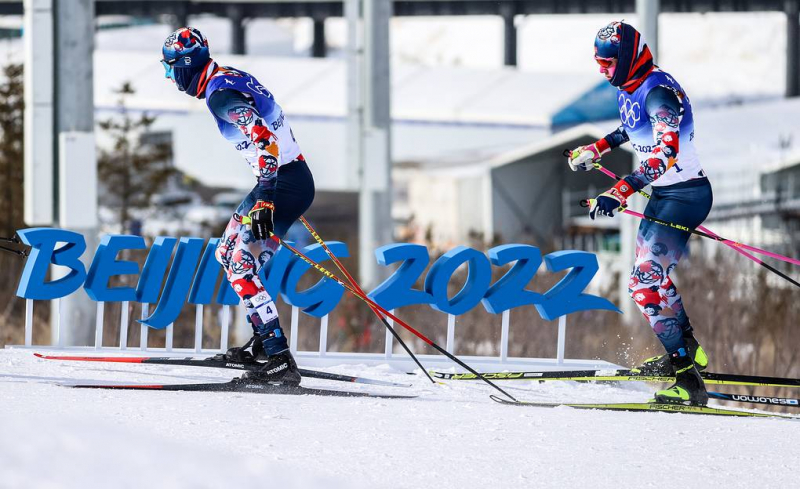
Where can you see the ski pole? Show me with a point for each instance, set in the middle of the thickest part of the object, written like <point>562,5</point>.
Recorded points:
<point>731,244</point>
<point>324,271</point>
<point>361,291</point>
<point>616,177</point>
<point>588,203</point>
<point>14,239</point>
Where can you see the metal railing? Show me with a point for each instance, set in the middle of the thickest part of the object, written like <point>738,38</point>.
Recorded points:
<point>320,357</point>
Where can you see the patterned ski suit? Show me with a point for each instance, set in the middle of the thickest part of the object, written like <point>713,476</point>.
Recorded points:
<point>248,116</point>
<point>657,120</point>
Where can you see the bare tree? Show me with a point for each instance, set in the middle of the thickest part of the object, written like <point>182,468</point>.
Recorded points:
<point>12,108</point>
<point>135,168</point>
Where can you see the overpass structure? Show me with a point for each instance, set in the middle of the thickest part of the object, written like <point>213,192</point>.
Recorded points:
<point>238,11</point>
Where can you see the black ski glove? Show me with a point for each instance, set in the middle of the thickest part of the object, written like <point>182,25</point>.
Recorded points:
<point>261,219</point>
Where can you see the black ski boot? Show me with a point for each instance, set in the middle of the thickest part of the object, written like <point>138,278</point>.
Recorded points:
<point>239,354</point>
<point>279,369</point>
<point>688,387</point>
<point>662,367</point>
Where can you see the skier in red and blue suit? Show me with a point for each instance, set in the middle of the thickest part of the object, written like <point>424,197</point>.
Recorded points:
<point>248,116</point>
<point>657,121</point>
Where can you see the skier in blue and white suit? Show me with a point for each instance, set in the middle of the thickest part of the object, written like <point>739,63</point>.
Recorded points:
<point>657,120</point>
<point>248,116</point>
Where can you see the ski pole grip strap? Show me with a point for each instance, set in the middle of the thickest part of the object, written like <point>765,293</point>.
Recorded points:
<point>624,188</point>
<point>262,204</point>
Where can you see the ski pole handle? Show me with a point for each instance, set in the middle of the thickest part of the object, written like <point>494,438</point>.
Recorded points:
<point>701,228</point>
<point>587,203</point>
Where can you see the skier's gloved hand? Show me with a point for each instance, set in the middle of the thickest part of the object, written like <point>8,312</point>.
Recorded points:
<point>612,199</point>
<point>261,219</point>
<point>582,157</point>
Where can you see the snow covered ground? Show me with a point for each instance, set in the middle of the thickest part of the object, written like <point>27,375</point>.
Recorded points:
<point>452,436</point>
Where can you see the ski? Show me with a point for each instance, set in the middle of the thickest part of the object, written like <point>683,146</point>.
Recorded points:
<point>240,386</point>
<point>216,363</point>
<point>582,376</point>
<point>649,407</point>
<point>774,401</point>
<point>621,376</point>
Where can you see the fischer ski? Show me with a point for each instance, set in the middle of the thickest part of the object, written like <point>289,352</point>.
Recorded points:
<point>217,363</point>
<point>240,386</point>
<point>582,376</point>
<point>648,406</point>
<point>621,376</point>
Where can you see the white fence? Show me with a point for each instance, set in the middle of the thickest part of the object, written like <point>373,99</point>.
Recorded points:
<point>319,358</point>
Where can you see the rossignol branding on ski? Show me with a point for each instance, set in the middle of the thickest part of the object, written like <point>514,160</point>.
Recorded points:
<point>240,385</point>
<point>218,363</point>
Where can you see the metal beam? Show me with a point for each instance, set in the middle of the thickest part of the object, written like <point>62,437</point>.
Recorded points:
<point>648,11</point>
<point>238,29</point>
<point>328,8</point>
<point>507,11</point>
<point>792,48</point>
<point>319,48</point>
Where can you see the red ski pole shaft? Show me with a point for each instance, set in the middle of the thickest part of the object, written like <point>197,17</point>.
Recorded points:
<point>377,306</point>
<point>355,285</point>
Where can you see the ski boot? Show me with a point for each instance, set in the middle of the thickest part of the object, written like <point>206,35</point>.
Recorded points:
<point>688,387</point>
<point>661,366</point>
<point>279,369</point>
<point>240,354</point>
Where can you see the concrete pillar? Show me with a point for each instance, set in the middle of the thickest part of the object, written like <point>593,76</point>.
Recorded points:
<point>792,48</point>
<point>238,29</point>
<point>319,48</point>
<point>507,12</point>
<point>74,52</point>
<point>648,11</point>
<point>179,18</point>
<point>352,12</point>
<point>39,179</point>
<point>375,206</point>
<point>75,174</point>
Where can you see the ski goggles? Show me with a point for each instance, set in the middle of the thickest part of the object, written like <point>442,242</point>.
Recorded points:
<point>169,69</point>
<point>605,62</point>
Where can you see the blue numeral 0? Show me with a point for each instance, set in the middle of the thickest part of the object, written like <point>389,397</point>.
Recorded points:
<point>478,280</point>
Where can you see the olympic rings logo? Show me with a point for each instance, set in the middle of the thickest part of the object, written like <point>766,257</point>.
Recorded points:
<point>628,111</point>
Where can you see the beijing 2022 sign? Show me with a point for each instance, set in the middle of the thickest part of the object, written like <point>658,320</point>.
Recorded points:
<point>194,273</point>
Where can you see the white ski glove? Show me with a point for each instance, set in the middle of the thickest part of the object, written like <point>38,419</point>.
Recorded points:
<point>584,156</point>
